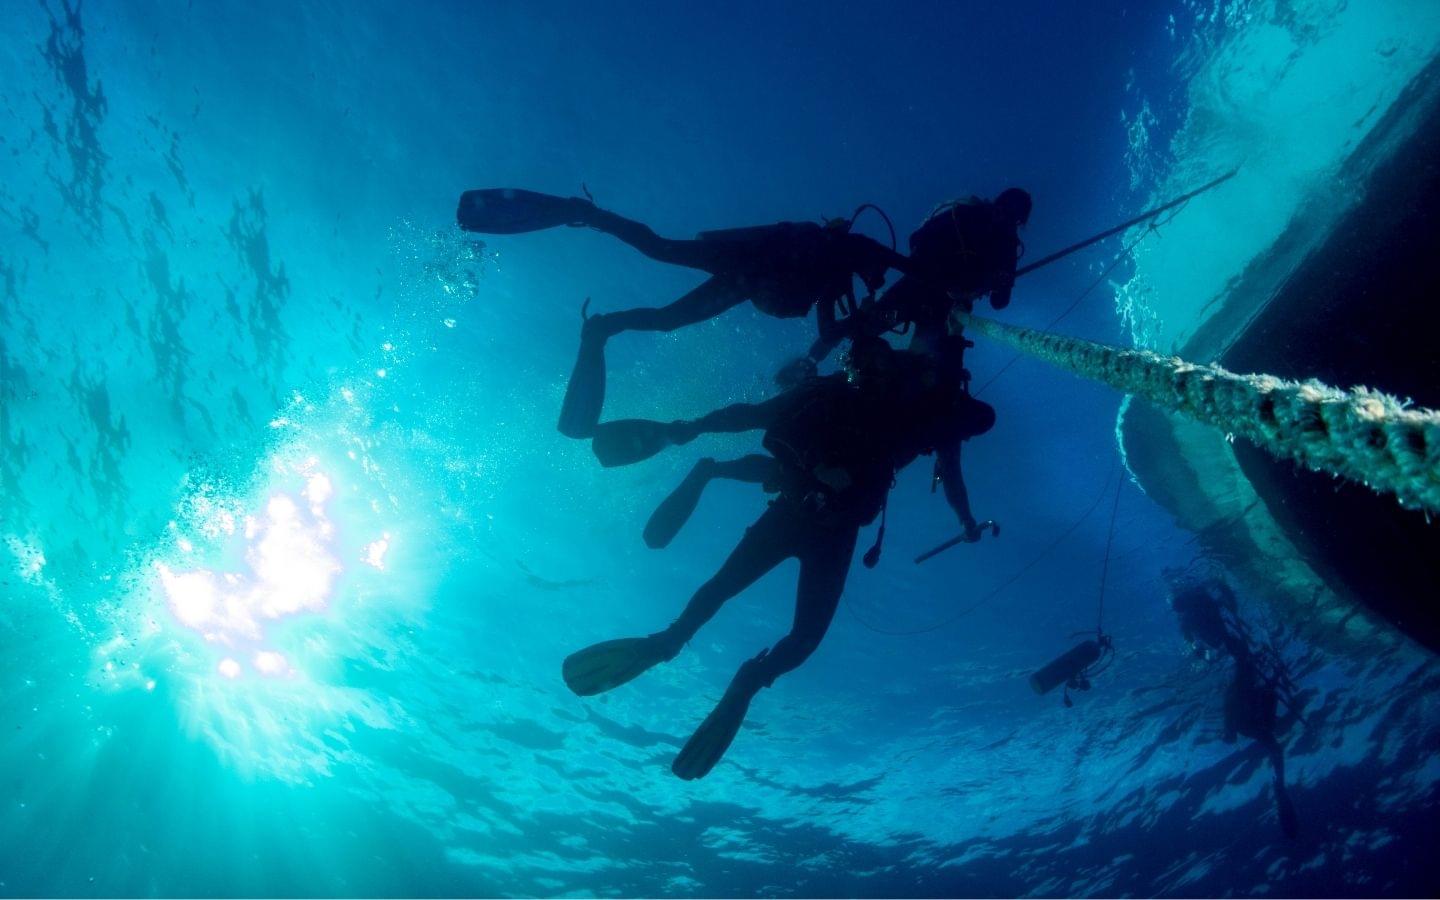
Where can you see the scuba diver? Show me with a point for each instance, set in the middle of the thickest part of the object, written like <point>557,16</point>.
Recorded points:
<point>1209,614</point>
<point>785,269</point>
<point>963,251</point>
<point>1210,623</point>
<point>1251,706</point>
<point>835,445</point>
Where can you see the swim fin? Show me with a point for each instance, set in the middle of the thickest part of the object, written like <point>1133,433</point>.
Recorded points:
<point>674,511</point>
<point>585,394</point>
<point>516,211</point>
<point>714,736</point>
<point>626,441</point>
<point>609,664</point>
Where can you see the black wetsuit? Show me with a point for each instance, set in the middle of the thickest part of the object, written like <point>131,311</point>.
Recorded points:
<point>836,449</point>
<point>1210,621</point>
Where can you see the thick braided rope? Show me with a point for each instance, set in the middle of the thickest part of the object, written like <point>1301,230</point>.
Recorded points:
<point>1361,434</point>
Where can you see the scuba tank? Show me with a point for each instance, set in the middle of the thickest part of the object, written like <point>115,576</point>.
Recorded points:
<point>1074,667</point>
<point>1066,667</point>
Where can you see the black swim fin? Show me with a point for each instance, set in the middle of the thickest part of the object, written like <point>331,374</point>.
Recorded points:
<point>715,735</point>
<point>609,664</point>
<point>516,211</point>
<point>585,394</point>
<point>675,510</point>
<point>626,441</point>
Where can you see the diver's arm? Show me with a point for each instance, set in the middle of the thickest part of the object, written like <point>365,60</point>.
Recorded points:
<point>836,330</point>
<point>870,259</point>
<point>825,343</point>
<point>870,319</point>
<point>1005,281</point>
<point>1000,297</point>
<point>830,332</point>
<point>893,259</point>
<point>947,465</point>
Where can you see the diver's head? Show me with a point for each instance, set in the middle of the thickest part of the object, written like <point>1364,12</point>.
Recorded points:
<point>1013,206</point>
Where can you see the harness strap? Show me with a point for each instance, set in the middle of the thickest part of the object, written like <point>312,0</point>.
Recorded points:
<point>872,556</point>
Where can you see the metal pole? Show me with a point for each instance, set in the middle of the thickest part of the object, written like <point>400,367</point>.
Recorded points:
<point>1124,225</point>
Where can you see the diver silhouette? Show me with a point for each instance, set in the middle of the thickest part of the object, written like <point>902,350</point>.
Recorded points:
<point>963,251</point>
<point>835,445</point>
<point>1210,622</point>
<point>785,269</point>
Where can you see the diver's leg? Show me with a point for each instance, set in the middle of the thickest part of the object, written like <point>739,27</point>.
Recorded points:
<point>824,564</point>
<point>1284,808</point>
<point>824,568</point>
<point>607,665</point>
<point>585,394</point>
<point>754,468</point>
<point>1234,708</point>
<point>764,546</point>
<point>675,510</point>
<point>692,253</point>
<point>707,301</point>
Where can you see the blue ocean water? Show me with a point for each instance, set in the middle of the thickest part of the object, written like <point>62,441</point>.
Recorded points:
<point>292,551</point>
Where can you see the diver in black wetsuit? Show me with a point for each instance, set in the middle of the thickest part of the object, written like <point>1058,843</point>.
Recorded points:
<point>835,447</point>
<point>784,269</point>
<point>1210,622</point>
<point>962,252</point>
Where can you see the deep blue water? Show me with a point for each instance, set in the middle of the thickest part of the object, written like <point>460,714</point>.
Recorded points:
<point>292,551</point>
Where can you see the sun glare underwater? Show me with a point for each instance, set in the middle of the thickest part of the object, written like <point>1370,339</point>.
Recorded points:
<point>292,553</point>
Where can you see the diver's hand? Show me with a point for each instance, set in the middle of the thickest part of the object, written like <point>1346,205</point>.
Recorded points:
<point>974,530</point>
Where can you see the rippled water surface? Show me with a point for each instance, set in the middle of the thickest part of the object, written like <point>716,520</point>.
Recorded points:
<point>290,551</point>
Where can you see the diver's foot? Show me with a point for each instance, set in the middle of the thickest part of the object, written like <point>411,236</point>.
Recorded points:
<point>704,468</point>
<point>600,327</point>
<point>607,665</point>
<point>715,735</point>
